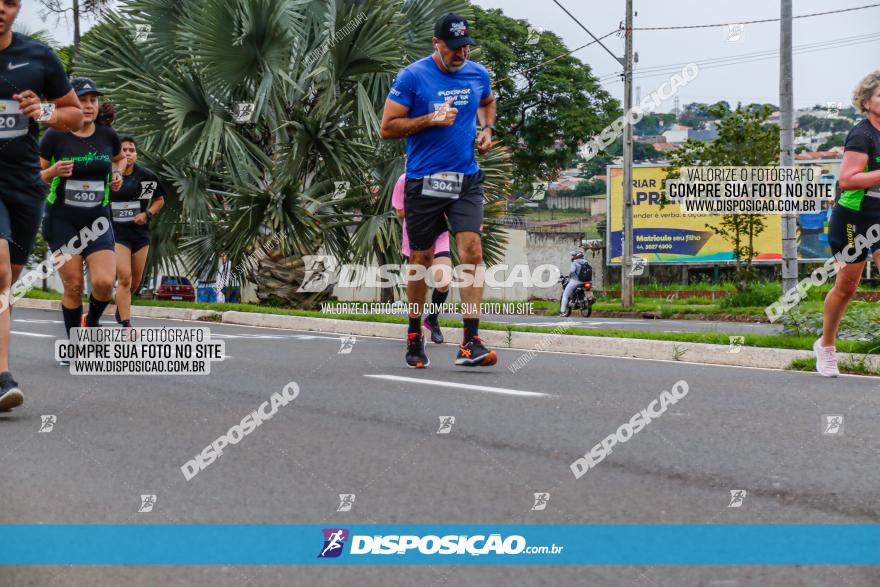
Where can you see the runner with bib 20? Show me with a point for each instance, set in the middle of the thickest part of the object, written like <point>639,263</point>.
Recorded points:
<point>434,103</point>
<point>133,206</point>
<point>81,168</point>
<point>855,219</point>
<point>28,70</point>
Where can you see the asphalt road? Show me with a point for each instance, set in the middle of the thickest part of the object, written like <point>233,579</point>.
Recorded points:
<point>358,428</point>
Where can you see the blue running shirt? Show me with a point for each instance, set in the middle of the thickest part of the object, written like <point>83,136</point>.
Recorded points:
<point>422,87</point>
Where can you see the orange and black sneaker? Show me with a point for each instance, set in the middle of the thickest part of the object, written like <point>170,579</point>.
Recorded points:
<point>472,353</point>
<point>415,351</point>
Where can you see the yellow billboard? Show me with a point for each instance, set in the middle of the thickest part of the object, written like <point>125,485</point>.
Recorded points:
<point>667,235</point>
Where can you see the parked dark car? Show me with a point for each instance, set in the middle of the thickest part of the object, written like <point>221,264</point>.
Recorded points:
<point>175,288</point>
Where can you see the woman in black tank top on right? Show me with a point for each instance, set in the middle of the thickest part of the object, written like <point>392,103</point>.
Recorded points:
<point>854,216</point>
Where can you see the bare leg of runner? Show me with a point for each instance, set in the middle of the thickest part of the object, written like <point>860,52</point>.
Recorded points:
<point>417,289</point>
<point>6,281</point>
<point>838,298</point>
<point>138,262</point>
<point>123,287</point>
<point>102,274</point>
<point>71,274</point>
<point>470,252</point>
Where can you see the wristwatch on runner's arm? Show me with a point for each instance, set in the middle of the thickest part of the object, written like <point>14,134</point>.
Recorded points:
<point>492,128</point>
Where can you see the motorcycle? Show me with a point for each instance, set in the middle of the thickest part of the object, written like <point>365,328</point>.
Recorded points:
<point>582,299</point>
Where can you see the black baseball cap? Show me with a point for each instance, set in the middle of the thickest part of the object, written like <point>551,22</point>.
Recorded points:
<point>83,86</point>
<point>454,30</point>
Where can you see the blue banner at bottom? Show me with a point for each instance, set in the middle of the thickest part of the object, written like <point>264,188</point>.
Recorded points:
<point>527,544</point>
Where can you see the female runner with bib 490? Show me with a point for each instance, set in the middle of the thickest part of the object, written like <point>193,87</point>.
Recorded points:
<point>81,168</point>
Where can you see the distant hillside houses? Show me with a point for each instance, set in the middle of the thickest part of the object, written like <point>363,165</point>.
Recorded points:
<point>680,133</point>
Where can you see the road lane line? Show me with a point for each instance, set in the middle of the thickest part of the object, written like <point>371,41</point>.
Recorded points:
<point>34,334</point>
<point>498,390</point>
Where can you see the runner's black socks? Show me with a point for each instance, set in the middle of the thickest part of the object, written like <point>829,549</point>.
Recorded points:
<point>96,308</point>
<point>471,328</point>
<point>437,297</point>
<point>72,317</point>
<point>415,325</point>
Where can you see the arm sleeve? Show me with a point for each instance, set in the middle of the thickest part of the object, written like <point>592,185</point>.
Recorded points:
<point>573,271</point>
<point>857,140</point>
<point>47,145</point>
<point>399,193</point>
<point>55,83</point>
<point>403,89</point>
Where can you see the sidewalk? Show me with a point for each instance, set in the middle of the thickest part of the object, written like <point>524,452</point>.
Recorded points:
<point>688,352</point>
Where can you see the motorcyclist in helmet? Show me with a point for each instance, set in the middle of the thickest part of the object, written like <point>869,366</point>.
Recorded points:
<point>578,275</point>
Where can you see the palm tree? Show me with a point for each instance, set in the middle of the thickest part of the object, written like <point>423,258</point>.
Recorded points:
<point>261,189</point>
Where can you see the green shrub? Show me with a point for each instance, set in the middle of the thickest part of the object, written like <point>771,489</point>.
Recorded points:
<point>758,294</point>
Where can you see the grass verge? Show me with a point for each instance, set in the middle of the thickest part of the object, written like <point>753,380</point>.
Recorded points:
<point>850,367</point>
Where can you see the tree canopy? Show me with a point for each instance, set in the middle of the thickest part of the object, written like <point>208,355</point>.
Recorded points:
<point>545,110</point>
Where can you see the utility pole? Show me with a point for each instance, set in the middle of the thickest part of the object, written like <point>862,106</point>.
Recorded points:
<point>627,283</point>
<point>786,144</point>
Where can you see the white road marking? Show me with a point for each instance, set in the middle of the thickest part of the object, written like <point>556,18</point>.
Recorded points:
<point>34,334</point>
<point>31,321</point>
<point>499,390</point>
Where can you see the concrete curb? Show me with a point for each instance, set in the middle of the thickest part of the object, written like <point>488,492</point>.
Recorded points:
<point>136,311</point>
<point>712,354</point>
<point>533,341</point>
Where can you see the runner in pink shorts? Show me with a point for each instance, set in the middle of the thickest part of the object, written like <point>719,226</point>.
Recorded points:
<point>441,257</point>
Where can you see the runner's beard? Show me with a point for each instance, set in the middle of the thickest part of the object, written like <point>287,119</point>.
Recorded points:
<point>451,68</point>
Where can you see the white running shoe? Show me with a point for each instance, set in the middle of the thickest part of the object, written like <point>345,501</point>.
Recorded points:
<point>826,360</point>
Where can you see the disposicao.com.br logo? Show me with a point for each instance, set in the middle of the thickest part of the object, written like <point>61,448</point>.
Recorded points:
<point>334,540</point>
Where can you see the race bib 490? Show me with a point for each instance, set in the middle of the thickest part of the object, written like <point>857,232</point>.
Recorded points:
<point>83,194</point>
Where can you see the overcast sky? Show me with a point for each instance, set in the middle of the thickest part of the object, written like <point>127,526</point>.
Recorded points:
<point>821,74</point>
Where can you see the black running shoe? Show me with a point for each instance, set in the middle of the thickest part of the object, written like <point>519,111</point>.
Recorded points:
<point>415,351</point>
<point>433,326</point>
<point>10,394</point>
<point>472,353</point>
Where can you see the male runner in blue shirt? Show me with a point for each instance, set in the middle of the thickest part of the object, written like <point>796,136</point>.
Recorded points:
<point>434,103</point>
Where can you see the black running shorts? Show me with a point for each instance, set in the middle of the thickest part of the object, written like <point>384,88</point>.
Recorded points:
<point>427,216</point>
<point>133,237</point>
<point>20,213</point>
<point>843,228</point>
<point>60,225</point>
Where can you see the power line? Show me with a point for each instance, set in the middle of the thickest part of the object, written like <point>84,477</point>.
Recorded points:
<point>706,26</point>
<point>558,57</point>
<point>732,58</point>
<point>616,58</point>
<point>610,78</point>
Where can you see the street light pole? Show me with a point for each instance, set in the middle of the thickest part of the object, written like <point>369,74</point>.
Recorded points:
<point>627,282</point>
<point>786,143</point>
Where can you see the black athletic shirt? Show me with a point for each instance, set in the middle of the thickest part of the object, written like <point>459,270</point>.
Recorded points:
<point>142,187</point>
<point>25,65</point>
<point>863,138</point>
<point>93,163</point>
